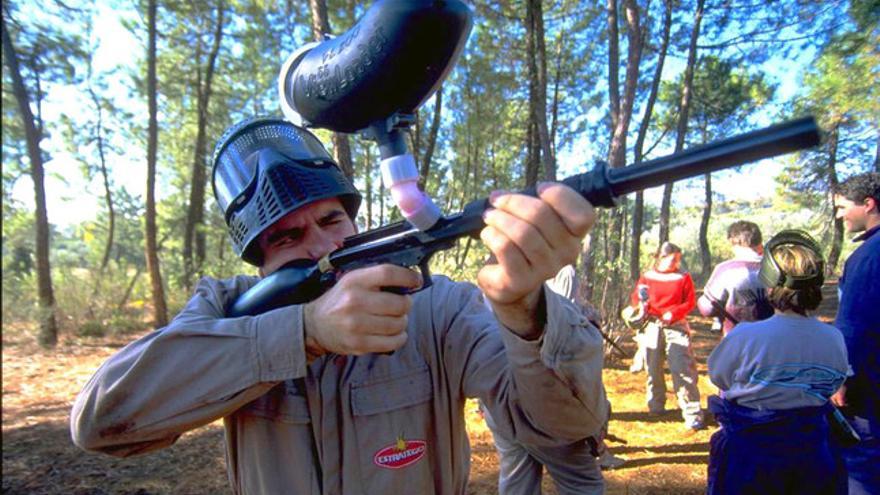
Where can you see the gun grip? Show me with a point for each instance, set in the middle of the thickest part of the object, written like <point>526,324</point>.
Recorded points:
<point>426,281</point>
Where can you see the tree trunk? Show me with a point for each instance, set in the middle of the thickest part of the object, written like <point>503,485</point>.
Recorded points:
<point>532,155</point>
<point>683,109</point>
<point>48,328</point>
<point>705,251</point>
<point>425,166</point>
<point>837,223</point>
<point>381,201</point>
<point>617,150</point>
<point>342,154</point>
<point>548,160</point>
<point>341,146</point>
<point>108,199</point>
<point>639,207</point>
<point>557,81</point>
<point>613,64</point>
<point>368,184</point>
<point>194,230</point>
<point>638,222</point>
<point>665,204</point>
<point>160,310</point>
<point>533,148</point>
<point>122,302</point>
<point>877,153</point>
<point>108,192</point>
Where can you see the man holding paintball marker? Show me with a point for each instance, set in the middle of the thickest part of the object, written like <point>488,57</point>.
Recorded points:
<point>358,383</point>
<point>361,390</point>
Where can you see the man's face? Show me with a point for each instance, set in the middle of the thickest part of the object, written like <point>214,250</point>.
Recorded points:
<point>309,232</point>
<point>854,215</point>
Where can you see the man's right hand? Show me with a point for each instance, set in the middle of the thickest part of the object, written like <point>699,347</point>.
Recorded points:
<point>357,317</point>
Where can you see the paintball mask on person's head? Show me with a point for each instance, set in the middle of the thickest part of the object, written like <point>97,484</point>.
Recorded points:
<point>265,168</point>
<point>773,275</point>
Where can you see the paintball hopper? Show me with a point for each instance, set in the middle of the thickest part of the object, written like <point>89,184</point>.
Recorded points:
<point>389,62</point>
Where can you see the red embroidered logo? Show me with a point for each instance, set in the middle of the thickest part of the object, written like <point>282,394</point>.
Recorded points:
<point>400,454</point>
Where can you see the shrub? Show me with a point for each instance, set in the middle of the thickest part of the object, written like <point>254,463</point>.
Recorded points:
<point>91,328</point>
<point>123,324</point>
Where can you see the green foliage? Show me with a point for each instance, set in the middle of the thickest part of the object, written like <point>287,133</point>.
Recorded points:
<point>19,297</point>
<point>123,323</point>
<point>461,263</point>
<point>91,329</point>
<point>722,99</point>
<point>841,89</point>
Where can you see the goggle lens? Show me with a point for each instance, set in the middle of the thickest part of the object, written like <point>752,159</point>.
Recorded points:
<point>236,166</point>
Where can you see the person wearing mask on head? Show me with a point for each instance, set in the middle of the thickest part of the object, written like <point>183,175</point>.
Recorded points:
<point>733,292</point>
<point>857,203</point>
<point>360,390</point>
<point>775,377</point>
<point>670,297</point>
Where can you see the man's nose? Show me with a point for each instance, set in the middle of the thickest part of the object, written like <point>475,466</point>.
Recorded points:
<point>321,243</point>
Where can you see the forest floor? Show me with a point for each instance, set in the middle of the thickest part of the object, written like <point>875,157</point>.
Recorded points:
<point>39,458</point>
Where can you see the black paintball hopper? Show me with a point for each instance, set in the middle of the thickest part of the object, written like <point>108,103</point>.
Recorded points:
<point>390,62</point>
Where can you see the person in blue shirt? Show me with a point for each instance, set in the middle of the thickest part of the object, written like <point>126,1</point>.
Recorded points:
<point>776,377</point>
<point>857,203</point>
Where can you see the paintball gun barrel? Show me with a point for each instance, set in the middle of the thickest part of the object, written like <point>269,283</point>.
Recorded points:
<point>302,281</point>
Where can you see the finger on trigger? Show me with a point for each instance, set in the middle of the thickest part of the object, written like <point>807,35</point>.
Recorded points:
<point>390,275</point>
<point>390,304</point>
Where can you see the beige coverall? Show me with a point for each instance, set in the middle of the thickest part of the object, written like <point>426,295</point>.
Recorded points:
<point>343,424</point>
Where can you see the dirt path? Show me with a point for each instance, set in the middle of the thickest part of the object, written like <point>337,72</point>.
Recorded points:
<point>39,458</point>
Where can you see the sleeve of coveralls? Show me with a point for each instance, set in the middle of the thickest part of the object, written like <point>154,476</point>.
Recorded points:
<point>199,368</point>
<point>543,392</point>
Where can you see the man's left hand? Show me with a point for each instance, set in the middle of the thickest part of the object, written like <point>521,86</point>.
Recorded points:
<point>531,239</point>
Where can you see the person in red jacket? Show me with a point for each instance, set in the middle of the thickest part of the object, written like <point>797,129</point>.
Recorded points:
<point>670,298</point>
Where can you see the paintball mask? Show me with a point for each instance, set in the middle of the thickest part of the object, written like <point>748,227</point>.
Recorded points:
<point>635,317</point>
<point>265,168</point>
<point>772,275</point>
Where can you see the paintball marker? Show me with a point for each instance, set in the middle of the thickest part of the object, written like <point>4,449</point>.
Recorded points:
<point>391,61</point>
<point>400,243</point>
<point>372,78</point>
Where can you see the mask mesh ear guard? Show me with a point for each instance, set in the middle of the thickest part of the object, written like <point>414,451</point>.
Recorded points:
<point>771,275</point>
<point>635,318</point>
